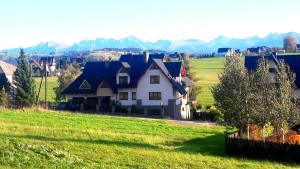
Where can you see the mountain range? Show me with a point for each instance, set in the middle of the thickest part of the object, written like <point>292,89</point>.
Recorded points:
<point>190,45</point>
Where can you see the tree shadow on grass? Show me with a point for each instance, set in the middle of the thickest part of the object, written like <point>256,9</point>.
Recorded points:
<point>210,145</point>
<point>123,143</point>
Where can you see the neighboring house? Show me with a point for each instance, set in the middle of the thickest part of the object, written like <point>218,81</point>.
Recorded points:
<point>292,60</point>
<point>176,56</point>
<point>253,51</point>
<point>7,70</point>
<point>44,62</point>
<point>225,52</point>
<point>298,48</point>
<point>143,82</point>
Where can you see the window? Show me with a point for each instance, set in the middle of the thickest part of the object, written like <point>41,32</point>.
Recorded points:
<point>133,96</point>
<point>123,79</point>
<point>123,95</point>
<point>154,79</point>
<point>154,95</point>
<point>85,85</point>
<point>104,85</point>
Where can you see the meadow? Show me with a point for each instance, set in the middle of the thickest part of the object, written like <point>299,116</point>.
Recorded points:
<point>42,139</point>
<point>206,70</point>
<point>52,83</point>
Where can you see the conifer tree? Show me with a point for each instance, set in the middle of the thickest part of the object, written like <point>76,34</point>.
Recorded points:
<point>25,86</point>
<point>4,100</point>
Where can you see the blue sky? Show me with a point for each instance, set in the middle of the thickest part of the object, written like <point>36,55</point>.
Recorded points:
<point>28,22</point>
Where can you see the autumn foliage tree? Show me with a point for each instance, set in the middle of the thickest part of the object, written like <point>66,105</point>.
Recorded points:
<point>290,44</point>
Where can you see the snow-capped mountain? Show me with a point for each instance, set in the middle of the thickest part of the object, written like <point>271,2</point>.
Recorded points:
<point>190,45</point>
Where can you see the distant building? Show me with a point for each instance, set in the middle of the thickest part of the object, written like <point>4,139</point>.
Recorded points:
<point>225,52</point>
<point>292,60</point>
<point>39,65</point>
<point>8,70</point>
<point>252,51</point>
<point>298,48</point>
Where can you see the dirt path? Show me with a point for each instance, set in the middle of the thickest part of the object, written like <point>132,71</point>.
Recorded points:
<point>191,123</point>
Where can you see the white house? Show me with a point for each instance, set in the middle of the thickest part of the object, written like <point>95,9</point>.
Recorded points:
<point>7,70</point>
<point>142,82</point>
<point>225,52</point>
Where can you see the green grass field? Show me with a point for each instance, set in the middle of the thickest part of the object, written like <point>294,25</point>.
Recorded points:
<point>52,83</point>
<point>207,70</point>
<point>39,139</point>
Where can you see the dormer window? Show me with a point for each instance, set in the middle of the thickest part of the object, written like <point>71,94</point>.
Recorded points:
<point>123,79</point>
<point>85,85</point>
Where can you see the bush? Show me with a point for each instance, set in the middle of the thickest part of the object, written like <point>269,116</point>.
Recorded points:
<point>211,114</point>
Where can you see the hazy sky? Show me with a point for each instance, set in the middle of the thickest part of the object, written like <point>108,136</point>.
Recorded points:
<point>28,22</point>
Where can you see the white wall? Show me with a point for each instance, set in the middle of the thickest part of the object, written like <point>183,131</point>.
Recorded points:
<point>128,102</point>
<point>144,87</point>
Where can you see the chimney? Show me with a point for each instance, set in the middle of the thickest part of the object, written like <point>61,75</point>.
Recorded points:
<point>146,56</point>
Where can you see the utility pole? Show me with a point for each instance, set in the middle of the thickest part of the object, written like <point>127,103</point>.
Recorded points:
<point>46,85</point>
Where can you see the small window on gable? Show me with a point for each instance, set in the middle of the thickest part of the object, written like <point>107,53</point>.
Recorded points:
<point>104,85</point>
<point>85,85</point>
<point>154,66</point>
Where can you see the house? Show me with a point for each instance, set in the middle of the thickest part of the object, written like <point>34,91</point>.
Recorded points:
<point>225,52</point>
<point>298,48</point>
<point>7,70</point>
<point>292,60</point>
<point>141,82</point>
<point>252,51</point>
<point>37,66</point>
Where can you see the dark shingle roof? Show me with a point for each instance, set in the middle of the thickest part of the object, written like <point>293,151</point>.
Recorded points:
<point>174,68</point>
<point>292,60</point>
<point>253,50</point>
<point>223,50</point>
<point>96,72</point>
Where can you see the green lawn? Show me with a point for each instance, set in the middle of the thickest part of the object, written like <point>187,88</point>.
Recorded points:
<point>207,69</point>
<point>38,139</point>
<point>52,83</point>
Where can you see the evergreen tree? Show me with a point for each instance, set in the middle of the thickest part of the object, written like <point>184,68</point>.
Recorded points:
<point>25,86</point>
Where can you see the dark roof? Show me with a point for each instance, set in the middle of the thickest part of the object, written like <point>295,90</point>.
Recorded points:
<point>130,58</point>
<point>292,60</point>
<point>253,50</point>
<point>224,50</point>
<point>174,68</point>
<point>96,72</point>
<point>298,46</point>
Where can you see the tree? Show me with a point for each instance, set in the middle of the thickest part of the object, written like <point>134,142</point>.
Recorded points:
<point>232,94</point>
<point>25,86</point>
<point>290,44</point>
<point>4,100</point>
<point>68,75</point>
<point>264,98</point>
<point>286,114</point>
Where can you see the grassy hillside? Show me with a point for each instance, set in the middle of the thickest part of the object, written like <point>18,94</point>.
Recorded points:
<point>37,139</point>
<point>52,83</point>
<point>207,70</point>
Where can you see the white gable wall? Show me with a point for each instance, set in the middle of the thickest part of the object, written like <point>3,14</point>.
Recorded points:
<point>144,87</point>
